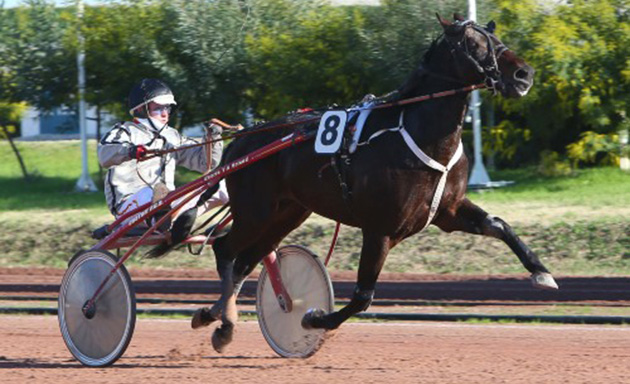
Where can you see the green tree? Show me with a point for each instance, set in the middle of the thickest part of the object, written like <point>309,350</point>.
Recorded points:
<point>313,59</point>
<point>200,53</point>
<point>7,25</point>
<point>10,116</point>
<point>310,53</point>
<point>36,54</point>
<point>580,51</point>
<point>397,35</point>
<point>119,42</point>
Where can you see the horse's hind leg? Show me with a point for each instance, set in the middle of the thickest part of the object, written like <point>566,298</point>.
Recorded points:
<point>225,261</point>
<point>471,219</point>
<point>238,254</point>
<point>373,253</point>
<point>225,308</point>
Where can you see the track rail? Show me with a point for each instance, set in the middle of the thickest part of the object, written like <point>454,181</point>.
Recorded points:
<point>572,290</point>
<point>610,320</point>
<point>375,303</point>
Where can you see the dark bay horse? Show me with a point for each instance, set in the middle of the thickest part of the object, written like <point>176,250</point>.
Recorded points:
<point>391,188</point>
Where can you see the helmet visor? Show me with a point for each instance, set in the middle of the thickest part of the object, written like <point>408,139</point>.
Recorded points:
<point>164,100</point>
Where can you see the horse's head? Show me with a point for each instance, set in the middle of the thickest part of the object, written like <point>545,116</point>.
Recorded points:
<point>481,56</point>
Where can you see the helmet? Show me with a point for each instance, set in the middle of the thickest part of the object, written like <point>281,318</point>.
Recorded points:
<point>146,91</point>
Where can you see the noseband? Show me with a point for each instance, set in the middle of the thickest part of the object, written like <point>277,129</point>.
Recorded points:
<point>489,66</point>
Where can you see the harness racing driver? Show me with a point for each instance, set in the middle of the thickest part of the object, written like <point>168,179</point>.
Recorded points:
<point>130,182</point>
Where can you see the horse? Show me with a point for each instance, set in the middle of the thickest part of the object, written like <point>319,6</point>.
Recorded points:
<point>387,190</point>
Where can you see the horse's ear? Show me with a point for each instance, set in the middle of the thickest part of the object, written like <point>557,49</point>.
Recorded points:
<point>445,23</point>
<point>491,26</point>
<point>458,17</point>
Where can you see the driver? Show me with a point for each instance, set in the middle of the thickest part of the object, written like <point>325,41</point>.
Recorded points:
<point>129,182</point>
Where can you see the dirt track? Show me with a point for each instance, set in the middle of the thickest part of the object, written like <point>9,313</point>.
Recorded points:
<point>168,351</point>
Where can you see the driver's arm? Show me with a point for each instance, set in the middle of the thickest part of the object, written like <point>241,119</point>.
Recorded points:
<point>115,147</point>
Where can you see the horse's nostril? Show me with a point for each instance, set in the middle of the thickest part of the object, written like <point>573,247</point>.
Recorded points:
<point>521,74</point>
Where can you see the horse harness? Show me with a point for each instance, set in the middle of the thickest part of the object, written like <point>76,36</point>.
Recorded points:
<point>341,162</point>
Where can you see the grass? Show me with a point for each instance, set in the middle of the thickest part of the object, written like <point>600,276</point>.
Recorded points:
<point>56,167</point>
<point>578,224</point>
<point>593,187</point>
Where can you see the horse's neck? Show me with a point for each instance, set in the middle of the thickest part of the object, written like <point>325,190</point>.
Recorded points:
<point>439,120</point>
<point>446,113</point>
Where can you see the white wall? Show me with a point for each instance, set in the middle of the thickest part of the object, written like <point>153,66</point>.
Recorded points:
<point>30,123</point>
<point>30,126</point>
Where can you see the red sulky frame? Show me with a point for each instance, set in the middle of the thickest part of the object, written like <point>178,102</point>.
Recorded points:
<point>189,191</point>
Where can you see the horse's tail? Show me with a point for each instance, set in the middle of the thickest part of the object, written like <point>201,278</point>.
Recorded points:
<point>179,232</point>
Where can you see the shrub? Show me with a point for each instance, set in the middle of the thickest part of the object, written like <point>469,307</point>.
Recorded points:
<point>595,148</point>
<point>551,164</point>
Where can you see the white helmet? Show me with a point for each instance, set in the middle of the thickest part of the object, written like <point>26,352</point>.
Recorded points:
<point>146,91</point>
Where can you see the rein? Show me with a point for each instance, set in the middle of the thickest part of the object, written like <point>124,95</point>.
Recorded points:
<point>250,131</point>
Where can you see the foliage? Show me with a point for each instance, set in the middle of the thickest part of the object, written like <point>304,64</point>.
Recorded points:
<point>580,50</point>
<point>305,53</point>
<point>504,139</point>
<point>10,115</point>
<point>223,57</point>
<point>595,148</point>
<point>200,52</point>
<point>552,165</point>
<point>397,34</point>
<point>36,58</point>
<point>118,51</point>
<point>310,62</point>
<point>6,73</point>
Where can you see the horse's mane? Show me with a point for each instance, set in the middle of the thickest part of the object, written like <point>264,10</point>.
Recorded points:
<point>410,86</point>
<point>427,55</point>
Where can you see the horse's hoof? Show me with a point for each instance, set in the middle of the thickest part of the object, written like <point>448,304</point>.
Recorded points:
<point>202,318</point>
<point>313,318</point>
<point>544,280</point>
<point>221,337</point>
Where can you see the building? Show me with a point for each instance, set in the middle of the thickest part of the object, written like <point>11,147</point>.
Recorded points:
<point>60,124</point>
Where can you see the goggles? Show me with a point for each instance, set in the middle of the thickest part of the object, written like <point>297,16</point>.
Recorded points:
<point>159,109</point>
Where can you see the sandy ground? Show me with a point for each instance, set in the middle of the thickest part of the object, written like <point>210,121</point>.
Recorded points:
<point>168,351</point>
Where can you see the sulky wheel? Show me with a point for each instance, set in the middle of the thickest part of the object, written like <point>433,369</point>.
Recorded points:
<point>99,336</point>
<point>308,283</point>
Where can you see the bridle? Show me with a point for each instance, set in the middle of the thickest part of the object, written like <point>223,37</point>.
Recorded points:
<point>489,66</point>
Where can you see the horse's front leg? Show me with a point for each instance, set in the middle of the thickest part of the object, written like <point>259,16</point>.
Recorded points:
<point>472,219</point>
<point>373,253</point>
